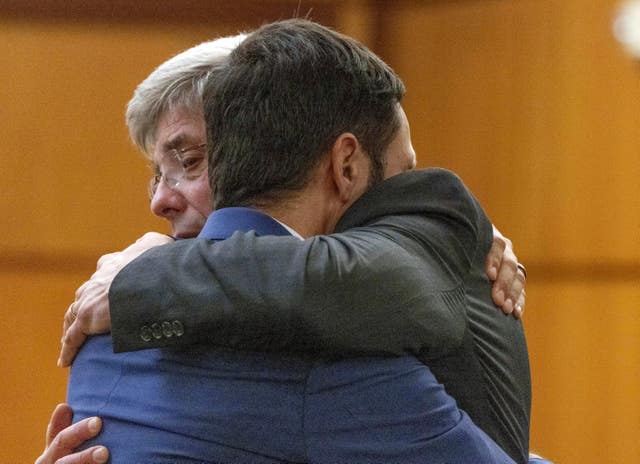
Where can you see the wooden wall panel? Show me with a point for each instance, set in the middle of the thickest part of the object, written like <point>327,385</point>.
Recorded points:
<point>73,186</point>
<point>534,104</point>
<point>584,343</point>
<point>67,162</point>
<point>31,327</point>
<point>69,167</point>
<point>530,101</point>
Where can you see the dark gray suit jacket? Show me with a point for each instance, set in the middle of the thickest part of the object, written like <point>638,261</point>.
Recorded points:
<point>405,275</point>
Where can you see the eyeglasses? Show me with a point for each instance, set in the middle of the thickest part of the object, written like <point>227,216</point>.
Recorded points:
<point>179,167</point>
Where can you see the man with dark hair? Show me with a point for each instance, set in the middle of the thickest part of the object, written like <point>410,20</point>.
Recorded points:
<point>295,94</point>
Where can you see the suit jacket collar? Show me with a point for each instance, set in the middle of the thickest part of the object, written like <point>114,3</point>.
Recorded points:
<point>222,223</point>
<point>428,191</point>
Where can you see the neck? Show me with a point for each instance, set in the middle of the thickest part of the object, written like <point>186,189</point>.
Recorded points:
<point>308,218</point>
<point>314,210</point>
<point>311,211</point>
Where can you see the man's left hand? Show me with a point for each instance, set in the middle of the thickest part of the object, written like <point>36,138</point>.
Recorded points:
<point>89,313</point>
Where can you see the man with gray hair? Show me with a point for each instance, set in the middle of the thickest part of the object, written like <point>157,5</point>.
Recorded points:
<point>171,182</point>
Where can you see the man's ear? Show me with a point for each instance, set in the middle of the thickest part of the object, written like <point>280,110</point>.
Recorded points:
<point>349,167</point>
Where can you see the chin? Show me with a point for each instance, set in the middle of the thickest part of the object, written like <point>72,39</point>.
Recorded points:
<point>182,234</point>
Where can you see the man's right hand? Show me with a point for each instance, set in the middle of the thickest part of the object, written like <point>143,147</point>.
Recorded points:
<point>89,313</point>
<point>63,437</point>
<point>507,276</point>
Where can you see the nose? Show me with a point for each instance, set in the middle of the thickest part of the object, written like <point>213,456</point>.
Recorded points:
<point>167,203</point>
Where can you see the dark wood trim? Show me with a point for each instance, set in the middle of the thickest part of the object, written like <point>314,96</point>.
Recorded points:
<point>379,42</point>
<point>35,262</point>
<point>240,13</point>
<point>546,272</point>
<point>540,271</point>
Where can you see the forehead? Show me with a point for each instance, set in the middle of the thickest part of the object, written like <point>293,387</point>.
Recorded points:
<point>177,128</point>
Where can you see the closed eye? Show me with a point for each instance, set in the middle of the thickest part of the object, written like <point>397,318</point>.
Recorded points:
<point>189,161</point>
<point>193,163</point>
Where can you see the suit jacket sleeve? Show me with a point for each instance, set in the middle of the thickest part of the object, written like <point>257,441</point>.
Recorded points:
<point>391,282</point>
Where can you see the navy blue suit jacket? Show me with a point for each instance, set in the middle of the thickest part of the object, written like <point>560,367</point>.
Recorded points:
<point>404,275</point>
<point>213,405</point>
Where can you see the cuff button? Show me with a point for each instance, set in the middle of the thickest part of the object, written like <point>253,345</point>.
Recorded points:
<point>156,331</point>
<point>145,333</point>
<point>178,328</point>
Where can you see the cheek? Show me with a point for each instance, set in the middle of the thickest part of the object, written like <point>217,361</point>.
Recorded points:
<point>199,198</point>
<point>394,166</point>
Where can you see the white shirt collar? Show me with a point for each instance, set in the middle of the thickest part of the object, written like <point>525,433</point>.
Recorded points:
<point>289,229</point>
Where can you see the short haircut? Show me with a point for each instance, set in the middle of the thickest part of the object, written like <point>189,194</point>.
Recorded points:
<point>284,96</point>
<point>176,82</point>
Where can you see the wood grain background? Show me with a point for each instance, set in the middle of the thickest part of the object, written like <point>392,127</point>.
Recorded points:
<point>532,102</point>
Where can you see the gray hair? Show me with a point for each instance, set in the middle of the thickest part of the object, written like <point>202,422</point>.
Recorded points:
<point>176,82</point>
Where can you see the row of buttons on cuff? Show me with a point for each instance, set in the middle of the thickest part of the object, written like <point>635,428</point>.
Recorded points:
<point>165,329</point>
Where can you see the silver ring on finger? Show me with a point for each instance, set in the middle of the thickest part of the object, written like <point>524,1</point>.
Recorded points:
<point>522,268</point>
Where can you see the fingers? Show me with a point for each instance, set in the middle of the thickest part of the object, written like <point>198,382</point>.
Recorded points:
<point>60,418</point>
<point>509,290</point>
<point>69,324</point>
<point>502,291</point>
<point>507,274</point>
<point>76,434</point>
<point>153,239</point>
<point>61,445</point>
<point>72,339</point>
<point>107,258</point>
<point>494,258</point>
<point>517,295</point>
<point>88,315</point>
<point>69,317</point>
<point>82,288</point>
<point>516,292</point>
<point>522,299</point>
<point>93,455</point>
